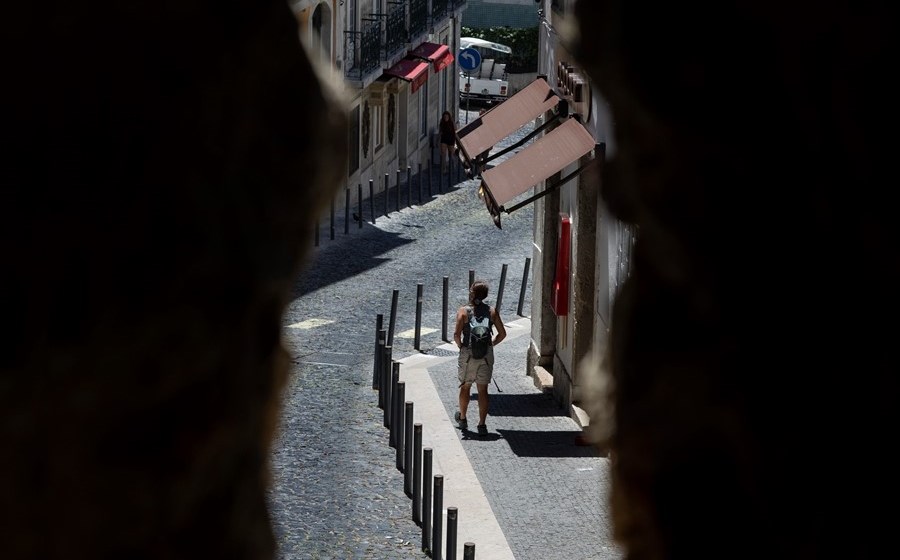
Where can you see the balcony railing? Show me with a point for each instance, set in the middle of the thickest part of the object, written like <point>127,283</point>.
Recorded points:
<point>418,17</point>
<point>458,3</point>
<point>395,30</point>
<point>362,50</point>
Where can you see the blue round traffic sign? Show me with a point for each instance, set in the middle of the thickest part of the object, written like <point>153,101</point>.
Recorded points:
<point>469,59</point>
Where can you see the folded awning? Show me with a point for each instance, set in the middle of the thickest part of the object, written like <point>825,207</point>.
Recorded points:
<point>437,54</point>
<point>480,135</point>
<point>559,148</point>
<point>412,70</point>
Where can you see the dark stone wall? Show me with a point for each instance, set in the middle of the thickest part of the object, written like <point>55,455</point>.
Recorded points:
<point>753,348</point>
<point>163,164</point>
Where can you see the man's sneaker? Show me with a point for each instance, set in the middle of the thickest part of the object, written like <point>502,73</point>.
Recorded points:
<point>462,422</point>
<point>482,430</point>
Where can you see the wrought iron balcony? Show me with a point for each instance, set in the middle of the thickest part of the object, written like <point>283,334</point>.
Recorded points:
<point>362,50</point>
<point>418,17</point>
<point>440,9</point>
<point>395,31</point>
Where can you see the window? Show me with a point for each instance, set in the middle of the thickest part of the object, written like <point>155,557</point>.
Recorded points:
<point>353,140</point>
<point>378,126</point>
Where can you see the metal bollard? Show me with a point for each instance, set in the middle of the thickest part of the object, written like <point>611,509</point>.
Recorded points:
<point>317,232</point>
<point>451,533</point>
<point>386,362</point>
<point>397,206</point>
<point>441,178</point>
<point>426,499</point>
<point>419,182</point>
<point>500,288</point>
<point>379,342</point>
<point>437,521</point>
<point>471,278</point>
<point>331,229</point>
<point>393,321</point>
<point>347,210</point>
<point>386,190</point>
<point>469,551</point>
<point>359,203</point>
<point>417,474</point>
<point>383,363</point>
<point>390,413</point>
<point>429,177</point>
<point>409,186</point>
<point>397,427</point>
<point>524,283</point>
<point>418,333</point>
<point>371,200</point>
<point>444,311</point>
<point>408,448</point>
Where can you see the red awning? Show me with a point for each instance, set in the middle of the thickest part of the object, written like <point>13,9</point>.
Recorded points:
<point>412,70</point>
<point>436,53</point>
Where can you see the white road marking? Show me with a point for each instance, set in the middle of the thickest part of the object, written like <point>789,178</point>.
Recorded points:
<point>411,333</point>
<point>310,323</point>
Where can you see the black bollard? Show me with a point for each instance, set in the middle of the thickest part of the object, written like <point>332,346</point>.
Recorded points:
<point>331,229</point>
<point>317,232</point>
<point>417,474</point>
<point>450,168</point>
<point>418,333</point>
<point>398,427</point>
<point>359,203</point>
<point>393,321</point>
<point>524,283</point>
<point>379,342</point>
<point>397,204</point>
<point>451,533</point>
<point>471,278</point>
<point>469,551</point>
<point>383,363</point>
<point>428,176</point>
<point>426,499</point>
<point>390,413</point>
<point>441,179</point>
<point>409,186</point>
<point>500,288</point>
<point>347,210</point>
<point>408,448</point>
<point>444,311</point>
<point>419,183</point>
<point>386,189</point>
<point>437,520</point>
<point>386,365</point>
<point>371,200</point>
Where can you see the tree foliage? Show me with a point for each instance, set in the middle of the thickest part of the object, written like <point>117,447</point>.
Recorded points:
<point>522,41</point>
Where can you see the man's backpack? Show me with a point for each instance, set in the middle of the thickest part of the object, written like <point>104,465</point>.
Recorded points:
<point>479,331</point>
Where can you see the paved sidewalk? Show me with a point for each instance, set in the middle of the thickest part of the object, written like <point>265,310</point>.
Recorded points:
<point>527,490</point>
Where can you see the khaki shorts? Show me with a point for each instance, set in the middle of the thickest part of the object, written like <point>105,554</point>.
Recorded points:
<point>475,371</point>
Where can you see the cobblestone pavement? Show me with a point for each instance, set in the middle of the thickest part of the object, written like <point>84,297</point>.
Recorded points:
<point>336,491</point>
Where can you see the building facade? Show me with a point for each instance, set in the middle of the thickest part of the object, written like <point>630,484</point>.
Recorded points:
<point>581,249</point>
<point>395,59</point>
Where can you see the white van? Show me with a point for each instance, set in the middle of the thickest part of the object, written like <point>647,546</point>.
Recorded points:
<point>486,84</point>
